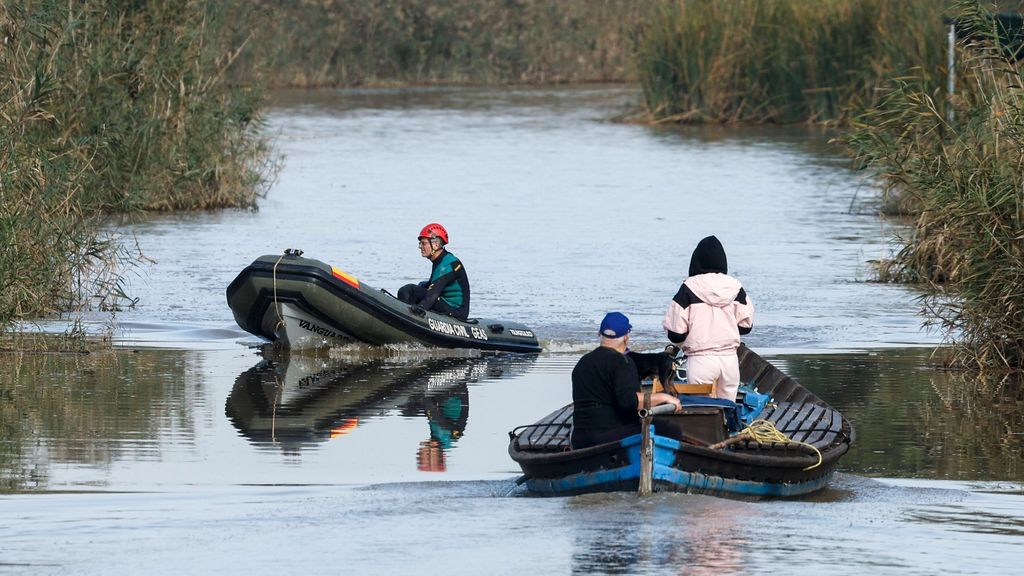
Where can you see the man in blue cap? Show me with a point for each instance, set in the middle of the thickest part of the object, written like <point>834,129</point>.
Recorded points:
<point>606,388</point>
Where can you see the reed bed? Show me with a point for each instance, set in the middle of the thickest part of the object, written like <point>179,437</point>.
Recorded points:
<point>962,182</point>
<point>114,107</point>
<point>782,61</point>
<point>398,42</point>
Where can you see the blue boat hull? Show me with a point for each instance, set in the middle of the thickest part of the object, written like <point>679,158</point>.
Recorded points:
<point>667,477</point>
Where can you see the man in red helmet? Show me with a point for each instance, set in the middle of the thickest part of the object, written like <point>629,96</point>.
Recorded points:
<point>447,291</point>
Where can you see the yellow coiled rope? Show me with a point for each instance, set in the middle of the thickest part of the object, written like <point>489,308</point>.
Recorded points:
<point>764,432</point>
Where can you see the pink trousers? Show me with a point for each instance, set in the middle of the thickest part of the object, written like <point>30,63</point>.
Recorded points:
<point>723,369</point>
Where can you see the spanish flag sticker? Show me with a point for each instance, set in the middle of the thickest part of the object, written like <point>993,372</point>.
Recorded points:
<point>346,278</point>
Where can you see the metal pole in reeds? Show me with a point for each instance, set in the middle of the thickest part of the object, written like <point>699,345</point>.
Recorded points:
<point>951,72</point>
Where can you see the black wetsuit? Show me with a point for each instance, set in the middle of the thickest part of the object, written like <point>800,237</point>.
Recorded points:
<point>446,292</point>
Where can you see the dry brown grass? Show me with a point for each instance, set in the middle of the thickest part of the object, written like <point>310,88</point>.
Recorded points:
<point>965,180</point>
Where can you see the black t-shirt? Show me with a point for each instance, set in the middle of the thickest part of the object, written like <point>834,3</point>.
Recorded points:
<point>604,387</point>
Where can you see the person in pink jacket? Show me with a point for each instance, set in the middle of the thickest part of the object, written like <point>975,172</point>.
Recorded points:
<point>707,316</point>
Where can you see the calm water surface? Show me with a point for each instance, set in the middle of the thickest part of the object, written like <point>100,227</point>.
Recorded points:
<point>184,449</point>
<point>558,214</point>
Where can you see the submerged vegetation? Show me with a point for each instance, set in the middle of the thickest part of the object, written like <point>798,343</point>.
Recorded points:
<point>961,179</point>
<point>113,107</point>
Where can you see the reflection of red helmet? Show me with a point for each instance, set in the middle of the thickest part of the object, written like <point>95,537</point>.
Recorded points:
<point>434,230</point>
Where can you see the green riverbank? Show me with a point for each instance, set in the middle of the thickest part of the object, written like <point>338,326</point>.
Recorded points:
<point>156,106</point>
<point>112,108</point>
<point>334,43</point>
<point>953,167</point>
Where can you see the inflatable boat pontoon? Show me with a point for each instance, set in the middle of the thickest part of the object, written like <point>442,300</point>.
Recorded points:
<point>309,304</point>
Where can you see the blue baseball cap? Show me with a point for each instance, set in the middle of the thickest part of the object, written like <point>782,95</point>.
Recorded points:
<point>615,325</point>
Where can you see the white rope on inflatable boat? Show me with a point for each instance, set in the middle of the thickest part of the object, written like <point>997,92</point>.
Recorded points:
<point>277,305</point>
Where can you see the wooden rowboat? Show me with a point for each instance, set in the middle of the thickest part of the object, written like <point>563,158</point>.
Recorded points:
<point>688,457</point>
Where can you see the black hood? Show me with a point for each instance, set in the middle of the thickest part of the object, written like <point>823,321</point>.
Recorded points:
<point>708,256</point>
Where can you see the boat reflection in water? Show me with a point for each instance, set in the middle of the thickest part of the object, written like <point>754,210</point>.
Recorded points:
<point>294,402</point>
<point>446,407</point>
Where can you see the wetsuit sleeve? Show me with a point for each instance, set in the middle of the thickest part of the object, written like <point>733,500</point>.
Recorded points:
<point>744,309</point>
<point>448,275</point>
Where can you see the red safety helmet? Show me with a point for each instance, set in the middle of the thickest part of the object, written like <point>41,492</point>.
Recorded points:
<point>434,230</point>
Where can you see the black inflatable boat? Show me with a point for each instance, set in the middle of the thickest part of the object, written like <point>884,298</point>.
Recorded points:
<point>309,304</point>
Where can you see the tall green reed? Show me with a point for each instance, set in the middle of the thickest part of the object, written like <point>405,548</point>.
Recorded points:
<point>780,60</point>
<point>112,107</point>
<point>389,42</point>
<point>963,184</point>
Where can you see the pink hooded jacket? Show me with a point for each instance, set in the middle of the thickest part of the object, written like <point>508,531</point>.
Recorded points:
<point>711,309</point>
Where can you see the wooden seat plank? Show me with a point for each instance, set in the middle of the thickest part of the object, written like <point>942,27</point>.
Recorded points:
<point>799,427</point>
<point>784,411</point>
<point>551,432</point>
<point>825,441</point>
<point>557,432</point>
<point>791,412</point>
<point>829,428</point>
<point>816,429</point>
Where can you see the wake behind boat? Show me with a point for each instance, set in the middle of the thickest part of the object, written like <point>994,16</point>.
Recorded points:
<point>698,456</point>
<point>307,303</point>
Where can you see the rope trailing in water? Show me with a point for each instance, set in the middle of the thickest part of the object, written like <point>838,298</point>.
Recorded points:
<point>764,432</point>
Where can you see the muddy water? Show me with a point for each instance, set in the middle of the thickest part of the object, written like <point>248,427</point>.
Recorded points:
<point>186,450</point>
